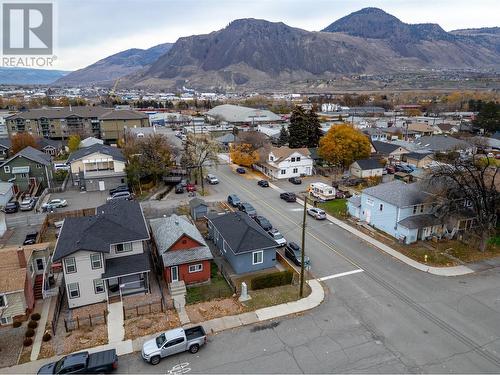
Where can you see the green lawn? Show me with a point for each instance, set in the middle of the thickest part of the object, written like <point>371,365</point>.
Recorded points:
<point>335,207</point>
<point>218,288</point>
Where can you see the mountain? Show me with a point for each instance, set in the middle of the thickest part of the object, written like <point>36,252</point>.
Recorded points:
<point>28,76</point>
<point>251,53</point>
<point>115,66</point>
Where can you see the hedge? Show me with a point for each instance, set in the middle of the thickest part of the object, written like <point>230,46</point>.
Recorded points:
<point>35,316</point>
<point>33,324</point>
<point>30,332</point>
<point>27,341</point>
<point>271,280</point>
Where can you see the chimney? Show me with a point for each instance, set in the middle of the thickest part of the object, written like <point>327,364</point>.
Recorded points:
<point>21,258</point>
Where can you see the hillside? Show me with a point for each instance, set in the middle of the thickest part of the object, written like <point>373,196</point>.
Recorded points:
<point>28,76</point>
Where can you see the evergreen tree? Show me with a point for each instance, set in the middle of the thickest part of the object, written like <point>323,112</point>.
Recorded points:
<point>488,117</point>
<point>314,132</point>
<point>283,139</point>
<point>298,128</point>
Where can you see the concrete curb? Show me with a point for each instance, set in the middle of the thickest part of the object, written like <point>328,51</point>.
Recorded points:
<point>211,326</point>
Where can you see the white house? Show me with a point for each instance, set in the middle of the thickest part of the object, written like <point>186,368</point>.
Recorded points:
<point>366,168</point>
<point>284,162</point>
<point>104,256</point>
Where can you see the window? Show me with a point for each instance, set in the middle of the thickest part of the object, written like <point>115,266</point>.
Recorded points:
<point>73,290</point>
<point>174,342</point>
<point>369,202</point>
<point>123,247</point>
<point>24,175</point>
<point>381,207</point>
<point>258,257</point>
<point>295,170</point>
<point>3,300</point>
<point>38,166</point>
<point>283,171</point>
<point>421,208</point>
<point>195,268</point>
<point>6,320</point>
<point>297,158</point>
<point>6,169</point>
<point>415,209</point>
<point>98,286</point>
<point>70,265</point>
<point>293,159</point>
<point>271,158</point>
<point>95,261</point>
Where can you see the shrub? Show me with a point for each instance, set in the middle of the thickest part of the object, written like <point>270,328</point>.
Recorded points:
<point>32,324</point>
<point>27,341</point>
<point>46,337</point>
<point>30,332</point>
<point>272,280</point>
<point>35,316</point>
<point>17,324</point>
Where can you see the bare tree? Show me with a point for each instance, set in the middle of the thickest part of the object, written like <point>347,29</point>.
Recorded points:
<point>200,151</point>
<point>470,183</point>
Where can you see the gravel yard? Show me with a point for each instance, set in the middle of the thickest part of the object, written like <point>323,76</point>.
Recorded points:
<point>11,342</point>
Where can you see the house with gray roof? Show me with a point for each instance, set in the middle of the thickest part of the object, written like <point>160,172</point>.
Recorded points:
<point>365,168</point>
<point>97,167</point>
<point>104,256</point>
<point>442,143</point>
<point>181,250</point>
<point>404,211</point>
<point>389,150</point>
<point>242,242</point>
<point>29,170</point>
<point>5,148</point>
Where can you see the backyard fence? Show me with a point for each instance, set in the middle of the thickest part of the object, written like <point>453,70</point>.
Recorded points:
<point>57,309</point>
<point>85,321</point>
<point>146,308</point>
<point>228,279</point>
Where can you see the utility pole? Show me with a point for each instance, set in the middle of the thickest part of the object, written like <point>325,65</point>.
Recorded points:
<point>302,255</point>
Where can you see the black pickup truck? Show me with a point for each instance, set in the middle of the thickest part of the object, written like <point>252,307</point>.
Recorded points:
<point>83,363</point>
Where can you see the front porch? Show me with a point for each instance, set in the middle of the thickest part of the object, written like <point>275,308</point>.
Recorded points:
<point>126,276</point>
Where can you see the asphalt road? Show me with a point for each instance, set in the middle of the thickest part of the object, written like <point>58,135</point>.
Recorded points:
<point>386,318</point>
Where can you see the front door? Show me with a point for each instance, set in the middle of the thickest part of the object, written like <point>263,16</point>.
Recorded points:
<point>101,186</point>
<point>368,216</point>
<point>39,264</point>
<point>174,273</point>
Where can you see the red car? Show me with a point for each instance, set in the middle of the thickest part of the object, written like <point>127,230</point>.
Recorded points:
<point>190,187</point>
<point>390,169</point>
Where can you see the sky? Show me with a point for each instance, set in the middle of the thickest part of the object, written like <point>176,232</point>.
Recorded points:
<point>89,30</point>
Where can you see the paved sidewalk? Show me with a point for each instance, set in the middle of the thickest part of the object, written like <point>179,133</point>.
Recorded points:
<point>211,327</point>
<point>37,344</point>
<point>116,330</point>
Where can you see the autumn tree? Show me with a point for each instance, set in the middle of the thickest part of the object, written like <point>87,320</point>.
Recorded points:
<point>74,142</point>
<point>342,145</point>
<point>243,154</point>
<point>298,128</point>
<point>20,141</point>
<point>149,156</point>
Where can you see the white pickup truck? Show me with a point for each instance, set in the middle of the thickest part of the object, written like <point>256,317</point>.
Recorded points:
<point>174,341</point>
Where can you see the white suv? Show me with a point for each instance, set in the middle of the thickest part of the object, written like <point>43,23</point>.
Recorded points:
<point>212,179</point>
<point>277,236</point>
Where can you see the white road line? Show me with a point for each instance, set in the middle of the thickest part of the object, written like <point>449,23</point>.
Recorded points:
<point>340,274</point>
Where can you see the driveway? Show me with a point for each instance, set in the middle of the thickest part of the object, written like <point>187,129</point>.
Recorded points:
<point>78,200</point>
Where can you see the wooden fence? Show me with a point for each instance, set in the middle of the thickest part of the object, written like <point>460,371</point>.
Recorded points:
<point>82,321</point>
<point>57,309</point>
<point>146,308</point>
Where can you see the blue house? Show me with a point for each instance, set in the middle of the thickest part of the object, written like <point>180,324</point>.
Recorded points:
<point>244,244</point>
<point>405,211</point>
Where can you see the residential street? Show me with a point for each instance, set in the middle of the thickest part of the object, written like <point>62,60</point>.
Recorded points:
<point>387,318</point>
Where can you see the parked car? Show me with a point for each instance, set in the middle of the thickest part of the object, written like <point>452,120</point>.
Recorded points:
<point>83,363</point>
<point>293,252</point>
<point>179,189</point>
<point>288,197</point>
<point>248,209</point>
<point>263,222</point>
<point>263,183</point>
<point>123,195</point>
<point>295,180</point>
<point>233,200</point>
<point>317,213</point>
<point>390,169</point>
<point>339,194</point>
<point>403,168</point>
<point>118,189</point>
<point>27,204</point>
<point>11,207</point>
<point>190,187</point>
<point>61,167</point>
<point>30,238</point>
<point>183,182</point>
<point>174,341</point>
<point>212,179</point>
<point>277,236</point>
<point>241,170</point>
<point>347,193</point>
<point>56,203</point>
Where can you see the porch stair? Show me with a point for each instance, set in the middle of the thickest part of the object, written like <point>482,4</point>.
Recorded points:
<point>37,287</point>
<point>177,288</point>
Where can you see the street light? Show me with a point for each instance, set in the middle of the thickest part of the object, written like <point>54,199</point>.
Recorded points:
<point>302,255</point>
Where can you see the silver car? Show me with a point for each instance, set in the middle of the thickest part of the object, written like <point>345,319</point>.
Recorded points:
<point>317,213</point>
